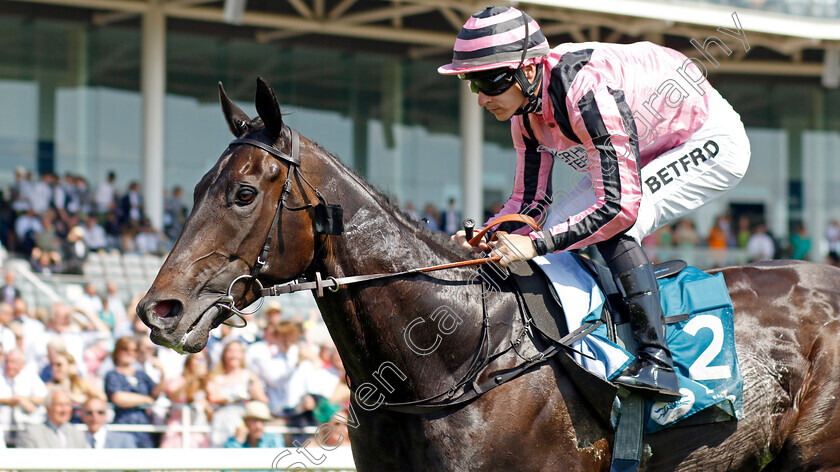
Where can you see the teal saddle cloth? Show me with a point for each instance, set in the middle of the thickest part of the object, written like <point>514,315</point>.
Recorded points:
<point>700,335</point>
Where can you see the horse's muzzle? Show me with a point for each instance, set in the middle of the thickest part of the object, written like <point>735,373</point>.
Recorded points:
<point>172,326</point>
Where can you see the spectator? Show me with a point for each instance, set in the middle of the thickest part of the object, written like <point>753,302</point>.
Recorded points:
<point>95,237</point>
<point>760,246</point>
<point>85,198</point>
<point>412,212</point>
<point>8,340</point>
<point>106,197</point>
<point>719,234</point>
<point>685,235</point>
<point>57,432</point>
<point>9,292</point>
<point>26,227</point>
<point>430,217</point>
<point>89,300</point>
<point>65,374</point>
<point>45,263</point>
<point>189,389</point>
<point>175,214</point>
<point>148,239</point>
<point>450,220</point>
<point>34,333</point>
<point>744,232</point>
<point>115,304</point>
<point>94,415</point>
<point>231,386</point>
<point>833,259</point>
<point>40,197</point>
<point>74,251</point>
<point>131,206</point>
<point>78,333</point>
<point>274,361</point>
<point>800,243</point>
<point>130,390</point>
<point>252,433</point>
<point>21,393</point>
<point>832,234</point>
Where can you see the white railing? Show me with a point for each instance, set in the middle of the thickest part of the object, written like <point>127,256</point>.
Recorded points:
<point>280,459</point>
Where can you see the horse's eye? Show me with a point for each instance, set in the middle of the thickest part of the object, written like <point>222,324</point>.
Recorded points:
<point>245,195</point>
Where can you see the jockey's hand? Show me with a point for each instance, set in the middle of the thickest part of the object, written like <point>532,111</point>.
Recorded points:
<point>513,247</point>
<point>460,238</point>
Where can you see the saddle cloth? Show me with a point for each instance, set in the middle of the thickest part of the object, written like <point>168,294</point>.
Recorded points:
<point>701,343</point>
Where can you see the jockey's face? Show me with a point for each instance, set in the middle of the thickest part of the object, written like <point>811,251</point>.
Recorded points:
<point>504,105</point>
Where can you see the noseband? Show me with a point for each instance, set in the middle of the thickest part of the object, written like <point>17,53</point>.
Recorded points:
<point>328,217</point>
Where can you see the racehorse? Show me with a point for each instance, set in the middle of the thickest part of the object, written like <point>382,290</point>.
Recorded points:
<point>258,220</point>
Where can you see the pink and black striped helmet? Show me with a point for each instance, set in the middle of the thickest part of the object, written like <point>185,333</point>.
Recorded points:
<point>494,38</point>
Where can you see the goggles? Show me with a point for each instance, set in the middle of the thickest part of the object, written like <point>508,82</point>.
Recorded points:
<point>494,82</point>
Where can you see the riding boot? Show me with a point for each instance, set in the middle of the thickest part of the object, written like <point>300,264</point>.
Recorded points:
<point>653,369</point>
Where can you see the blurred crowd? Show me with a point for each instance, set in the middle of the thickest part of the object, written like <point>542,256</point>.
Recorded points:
<point>91,361</point>
<point>55,222</point>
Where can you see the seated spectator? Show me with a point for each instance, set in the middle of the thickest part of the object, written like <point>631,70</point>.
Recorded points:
<point>231,386</point>
<point>65,374</point>
<point>9,292</point>
<point>22,392</point>
<point>95,416</point>
<point>45,264</point>
<point>190,389</point>
<point>95,237</point>
<point>57,432</point>
<point>47,240</point>
<point>148,239</point>
<point>251,434</point>
<point>79,332</point>
<point>89,301</point>
<point>130,390</point>
<point>27,226</point>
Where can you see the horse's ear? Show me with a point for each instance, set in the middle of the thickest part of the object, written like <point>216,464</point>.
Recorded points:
<point>236,119</point>
<point>269,109</point>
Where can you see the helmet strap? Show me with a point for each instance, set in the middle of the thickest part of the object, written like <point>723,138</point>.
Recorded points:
<point>531,90</point>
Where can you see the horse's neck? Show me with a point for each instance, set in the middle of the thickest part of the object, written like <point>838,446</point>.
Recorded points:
<point>368,321</point>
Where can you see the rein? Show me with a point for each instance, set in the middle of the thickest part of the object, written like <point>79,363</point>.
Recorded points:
<point>328,221</point>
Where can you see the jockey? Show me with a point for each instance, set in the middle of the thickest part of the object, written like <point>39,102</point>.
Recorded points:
<point>653,138</point>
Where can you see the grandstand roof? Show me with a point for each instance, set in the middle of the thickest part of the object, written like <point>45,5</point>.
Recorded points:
<point>780,44</point>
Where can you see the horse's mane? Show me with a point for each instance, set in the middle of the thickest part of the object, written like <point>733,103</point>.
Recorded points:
<point>391,205</point>
<point>388,202</point>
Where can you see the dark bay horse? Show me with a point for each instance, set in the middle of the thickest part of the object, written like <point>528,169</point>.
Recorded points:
<point>415,336</point>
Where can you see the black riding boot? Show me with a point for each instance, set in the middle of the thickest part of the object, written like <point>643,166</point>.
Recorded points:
<point>653,370</point>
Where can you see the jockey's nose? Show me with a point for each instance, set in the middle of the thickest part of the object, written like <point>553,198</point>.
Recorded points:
<point>482,99</point>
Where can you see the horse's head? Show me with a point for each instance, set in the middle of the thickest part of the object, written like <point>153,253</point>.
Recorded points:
<point>237,207</point>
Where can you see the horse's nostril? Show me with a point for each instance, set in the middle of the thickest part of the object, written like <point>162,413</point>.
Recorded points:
<point>167,308</point>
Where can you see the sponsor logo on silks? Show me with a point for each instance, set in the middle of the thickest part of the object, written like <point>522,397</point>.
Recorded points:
<point>692,159</point>
<point>669,412</point>
<point>575,156</point>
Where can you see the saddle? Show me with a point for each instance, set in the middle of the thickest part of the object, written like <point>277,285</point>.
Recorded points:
<point>544,310</point>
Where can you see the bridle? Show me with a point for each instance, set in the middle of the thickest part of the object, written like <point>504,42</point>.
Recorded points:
<point>328,218</point>
<point>328,221</point>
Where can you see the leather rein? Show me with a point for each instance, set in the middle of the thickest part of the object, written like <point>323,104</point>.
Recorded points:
<point>328,221</point>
